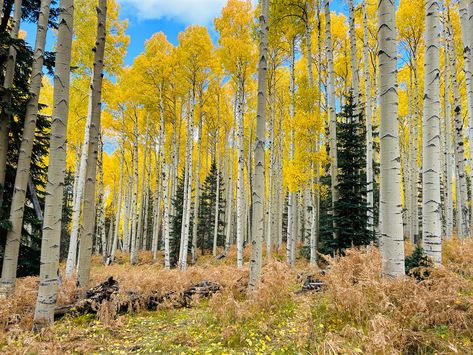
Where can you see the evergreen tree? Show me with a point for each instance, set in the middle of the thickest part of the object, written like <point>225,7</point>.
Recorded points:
<point>351,209</point>
<point>206,222</point>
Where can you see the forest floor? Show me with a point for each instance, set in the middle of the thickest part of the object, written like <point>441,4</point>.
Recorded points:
<point>356,312</point>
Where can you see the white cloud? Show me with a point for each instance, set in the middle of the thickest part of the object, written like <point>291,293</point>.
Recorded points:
<point>186,11</point>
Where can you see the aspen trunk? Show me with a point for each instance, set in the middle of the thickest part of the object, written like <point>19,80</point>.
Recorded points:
<point>49,267</point>
<point>120,193</point>
<point>460,160</point>
<point>95,99</point>
<point>141,209</point>
<point>188,189</point>
<point>5,98</point>
<point>431,203</point>
<point>353,56</point>
<point>390,189</point>
<point>12,245</point>
<point>134,200</point>
<point>259,191</point>
<point>466,22</point>
<point>331,110</point>
<point>448,194</point>
<point>369,122</point>
<point>197,188</point>
<point>241,166</point>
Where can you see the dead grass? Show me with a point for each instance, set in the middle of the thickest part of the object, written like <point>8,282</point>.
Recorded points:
<point>358,311</point>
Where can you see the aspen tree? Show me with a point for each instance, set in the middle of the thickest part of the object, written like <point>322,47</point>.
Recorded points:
<point>431,204</point>
<point>369,121</point>
<point>12,245</point>
<point>95,98</point>
<point>120,191</point>
<point>460,160</point>
<point>332,117</point>
<point>49,267</point>
<point>353,55</point>
<point>260,179</point>
<point>390,185</point>
<point>448,193</point>
<point>466,29</point>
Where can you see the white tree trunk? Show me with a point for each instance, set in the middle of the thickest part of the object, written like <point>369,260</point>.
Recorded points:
<point>87,225</point>
<point>197,190</point>
<point>120,193</point>
<point>12,245</point>
<point>134,199</point>
<point>431,203</point>
<point>449,165</point>
<point>259,191</point>
<point>331,109</point>
<point>241,170</point>
<point>49,267</point>
<point>369,122</point>
<point>390,184</point>
<point>355,85</point>
<point>460,160</point>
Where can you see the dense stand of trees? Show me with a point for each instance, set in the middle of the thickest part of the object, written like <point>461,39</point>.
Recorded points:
<point>269,139</point>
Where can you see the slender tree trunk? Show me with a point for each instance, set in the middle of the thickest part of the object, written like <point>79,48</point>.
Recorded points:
<point>120,193</point>
<point>241,170</point>
<point>353,56</point>
<point>431,203</point>
<point>369,122</point>
<point>188,187</point>
<point>197,188</point>
<point>12,245</point>
<point>141,210</point>
<point>259,191</point>
<point>466,22</point>
<point>390,189</point>
<point>134,200</point>
<point>331,111</point>
<point>460,159</point>
<point>5,97</point>
<point>49,266</point>
<point>95,99</point>
<point>448,194</point>
<point>101,209</point>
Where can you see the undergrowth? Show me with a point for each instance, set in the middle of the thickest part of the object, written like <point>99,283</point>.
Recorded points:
<point>357,311</point>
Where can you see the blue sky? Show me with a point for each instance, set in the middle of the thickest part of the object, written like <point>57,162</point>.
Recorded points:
<point>146,17</point>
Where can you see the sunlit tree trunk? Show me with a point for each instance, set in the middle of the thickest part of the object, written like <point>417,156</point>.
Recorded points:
<point>332,117</point>
<point>259,191</point>
<point>134,199</point>
<point>369,121</point>
<point>390,184</point>
<point>120,194</point>
<point>5,98</point>
<point>460,160</point>
<point>466,29</point>
<point>49,266</point>
<point>141,210</point>
<point>12,245</point>
<point>355,85</point>
<point>431,203</point>
<point>197,188</point>
<point>230,190</point>
<point>87,225</point>
<point>240,193</point>
<point>449,165</point>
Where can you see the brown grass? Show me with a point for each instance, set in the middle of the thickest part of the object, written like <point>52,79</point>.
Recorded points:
<point>357,311</point>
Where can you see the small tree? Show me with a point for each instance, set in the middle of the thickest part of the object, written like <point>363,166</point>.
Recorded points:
<point>206,223</point>
<point>351,210</point>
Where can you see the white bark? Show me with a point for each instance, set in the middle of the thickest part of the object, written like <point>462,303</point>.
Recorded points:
<point>241,166</point>
<point>355,84</point>
<point>390,184</point>
<point>259,191</point>
<point>87,225</point>
<point>49,267</point>
<point>369,122</point>
<point>431,203</point>
<point>331,109</point>
<point>460,160</point>
<point>12,245</point>
<point>120,193</point>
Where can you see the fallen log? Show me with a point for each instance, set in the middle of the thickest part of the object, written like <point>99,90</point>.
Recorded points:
<point>131,301</point>
<point>311,284</point>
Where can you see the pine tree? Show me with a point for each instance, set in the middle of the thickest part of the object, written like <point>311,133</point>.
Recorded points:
<point>206,221</point>
<point>351,224</point>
